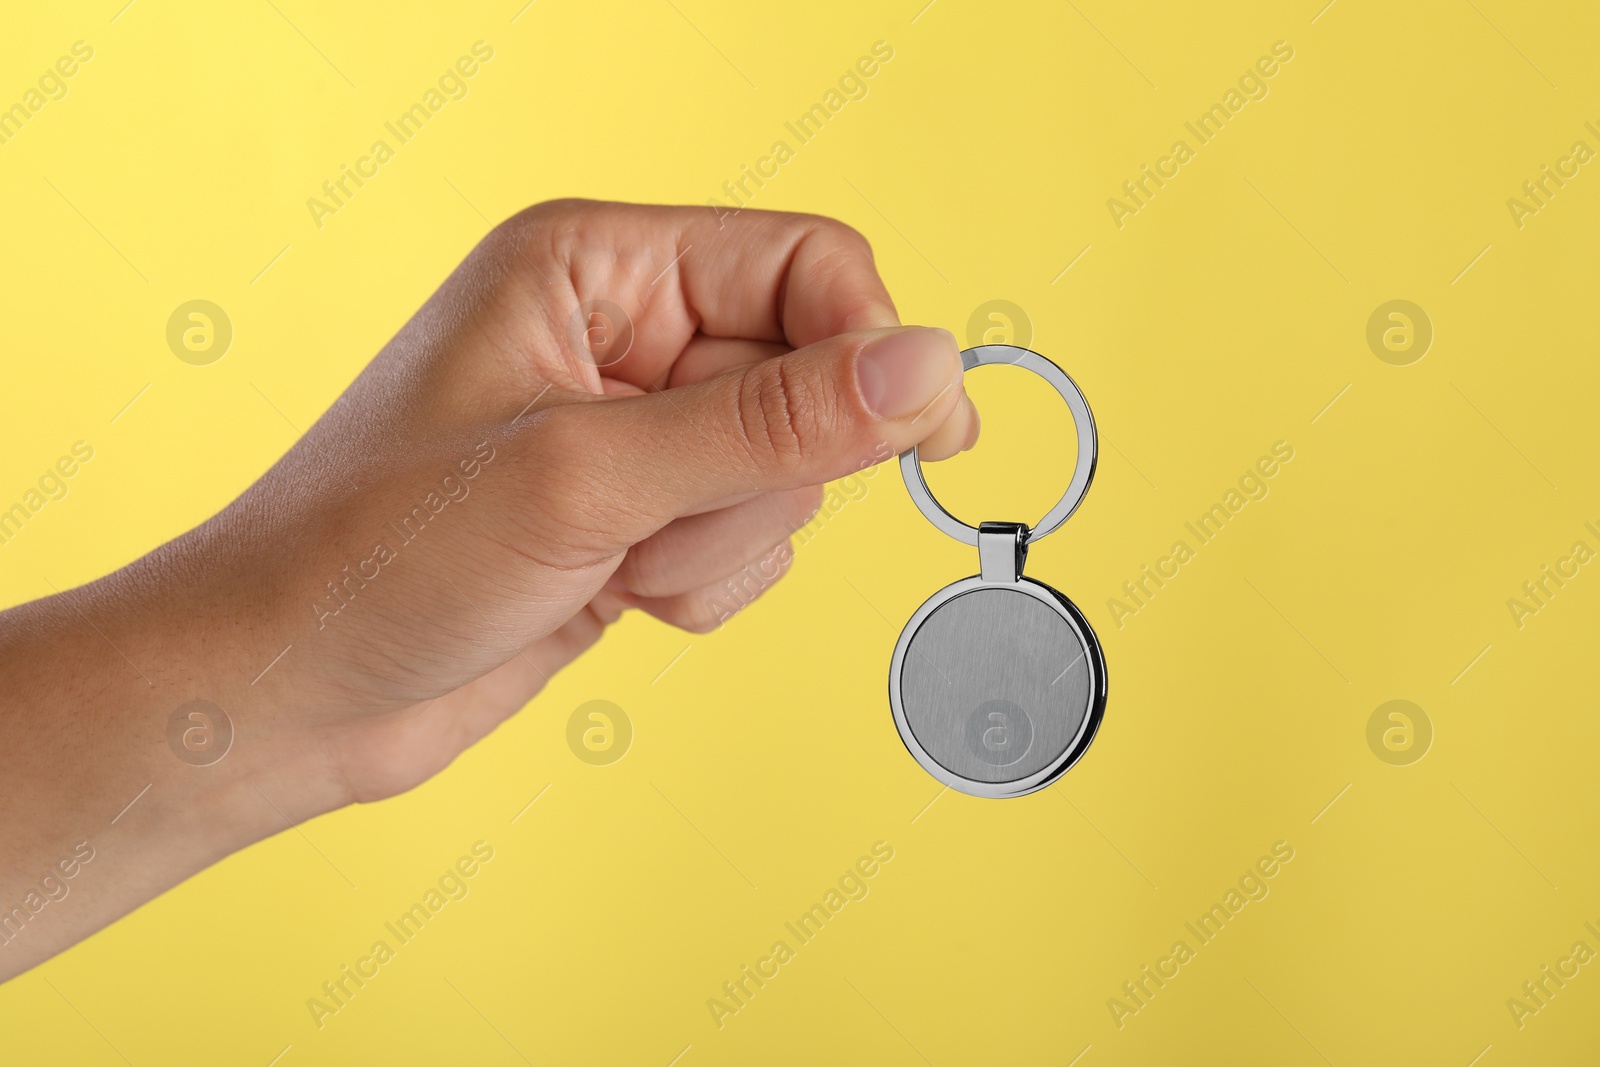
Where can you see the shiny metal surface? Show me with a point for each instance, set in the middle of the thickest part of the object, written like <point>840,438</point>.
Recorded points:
<point>998,682</point>
<point>1002,550</point>
<point>1082,473</point>
<point>997,688</point>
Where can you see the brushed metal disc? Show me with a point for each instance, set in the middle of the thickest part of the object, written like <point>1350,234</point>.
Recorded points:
<point>1001,686</point>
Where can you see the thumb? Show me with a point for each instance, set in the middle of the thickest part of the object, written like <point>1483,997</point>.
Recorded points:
<point>816,414</point>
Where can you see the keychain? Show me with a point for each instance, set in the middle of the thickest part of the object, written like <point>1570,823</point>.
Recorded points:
<point>998,683</point>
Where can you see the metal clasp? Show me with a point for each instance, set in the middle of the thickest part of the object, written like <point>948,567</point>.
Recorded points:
<point>1002,550</point>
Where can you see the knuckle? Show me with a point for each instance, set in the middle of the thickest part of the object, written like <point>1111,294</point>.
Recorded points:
<point>831,232</point>
<point>699,612</point>
<point>711,608</point>
<point>703,618</point>
<point>841,257</point>
<point>566,495</point>
<point>542,233</point>
<point>842,247</point>
<point>546,212</point>
<point>556,436</point>
<point>849,239</point>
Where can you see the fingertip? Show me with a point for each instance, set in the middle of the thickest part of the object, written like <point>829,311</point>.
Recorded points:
<point>957,434</point>
<point>902,373</point>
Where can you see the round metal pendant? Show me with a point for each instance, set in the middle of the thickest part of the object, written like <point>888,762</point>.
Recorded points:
<point>998,683</point>
<point>997,687</point>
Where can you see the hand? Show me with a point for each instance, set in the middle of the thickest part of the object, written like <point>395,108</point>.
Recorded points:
<point>497,486</point>
<point>765,358</point>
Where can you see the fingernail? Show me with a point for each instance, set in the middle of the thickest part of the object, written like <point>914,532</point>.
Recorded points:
<point>902,373</point>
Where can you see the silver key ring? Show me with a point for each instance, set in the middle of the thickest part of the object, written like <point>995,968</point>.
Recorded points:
<point>1082,474</point>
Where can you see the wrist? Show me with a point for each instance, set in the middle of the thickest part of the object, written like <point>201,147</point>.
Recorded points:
<point>166,665</point>
<point>103,786</point>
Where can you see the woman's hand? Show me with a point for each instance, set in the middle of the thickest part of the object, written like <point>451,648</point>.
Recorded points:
<point>606,406</point>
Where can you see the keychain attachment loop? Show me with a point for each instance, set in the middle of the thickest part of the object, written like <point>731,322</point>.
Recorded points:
<point>1082,474</point>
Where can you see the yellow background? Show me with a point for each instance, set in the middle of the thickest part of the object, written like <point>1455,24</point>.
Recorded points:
<point>1223,317</point>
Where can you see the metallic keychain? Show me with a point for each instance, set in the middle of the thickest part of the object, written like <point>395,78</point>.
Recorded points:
<point>998,683</point>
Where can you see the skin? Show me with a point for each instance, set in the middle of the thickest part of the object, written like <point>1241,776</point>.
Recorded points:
<point>577,481</point>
